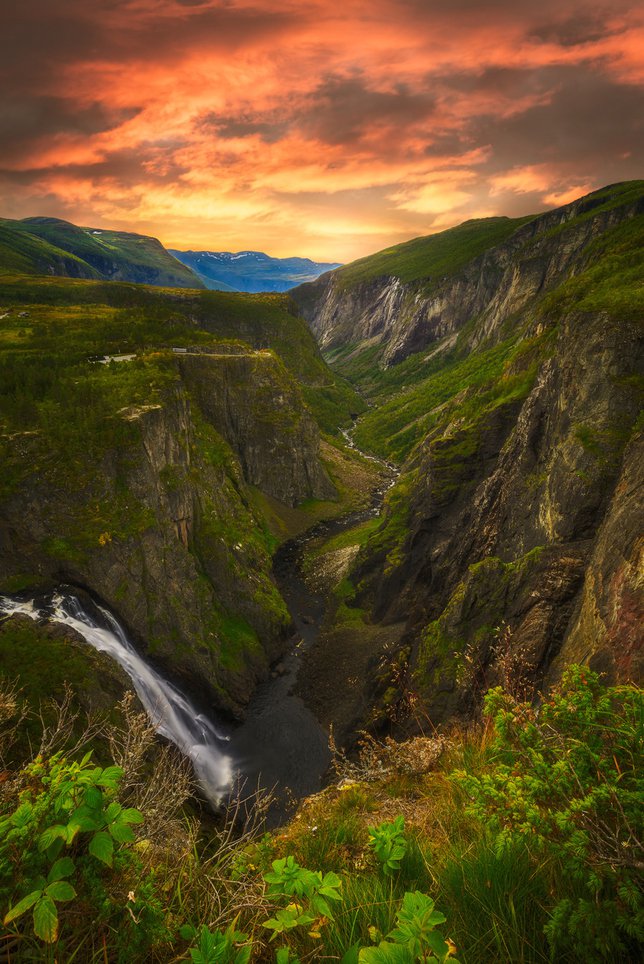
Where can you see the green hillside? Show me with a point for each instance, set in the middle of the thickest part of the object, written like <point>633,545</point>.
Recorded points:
<point>433,257</point>
<point>51,246</point>
<point>25,253</point>
<point>461,376</point>
<point>437,256</point>
<point>419,395</point>
<point>67,321</point>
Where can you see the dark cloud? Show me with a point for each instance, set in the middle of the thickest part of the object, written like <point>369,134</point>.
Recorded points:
<point>28,121</point>
<point>345,110</point>
<point>511,10</point>
<point>241,125</point>
<point>582,29</point>
<point>126,166</point>
<point>503,82</point>
<point>589,121</point>
<point>41,37</point>
<point>339,110</point>
<point>38,39</point>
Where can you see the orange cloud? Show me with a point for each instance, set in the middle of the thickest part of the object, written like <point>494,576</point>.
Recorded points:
<point>310,127</point>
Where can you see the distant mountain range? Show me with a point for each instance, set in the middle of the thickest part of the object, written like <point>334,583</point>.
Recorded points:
<point>52,246</point>
<point>251,270</point>
<point>43,245</point>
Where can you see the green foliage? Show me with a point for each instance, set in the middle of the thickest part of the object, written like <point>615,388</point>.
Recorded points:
<point>356,536</point>
<point>283,956</point>
<point>430,259</point>
<point>66,805</point>
<point>567,780</point>
<point>612,280</point>
<point>495,902</point>
<point>347,614</point>
<point>414,938</point>
<point>290,917</point>
<point>44,662</point>
<point>219,947</point>
<point>311,889</point>
<point>389,537</point>
<point>431,404</point>
<point>389,844</point>
<point>44,898</point>
<point>606,443</point>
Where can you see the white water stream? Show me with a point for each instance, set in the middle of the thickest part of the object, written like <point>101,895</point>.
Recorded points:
<point>170,711</point>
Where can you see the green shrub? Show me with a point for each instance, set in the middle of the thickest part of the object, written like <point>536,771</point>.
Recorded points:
<point>389,844</point>
<point>414,938</point>
<point>565,778</point>
<point>308,892</point>
<point>55,845</point>
<point>218,947</point>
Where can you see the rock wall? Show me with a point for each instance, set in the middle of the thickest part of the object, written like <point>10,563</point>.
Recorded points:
<point>512,542</point>
<point>163,527</point>
<point>535,529</point>
<point>406,318</point>
<point>258,408</point>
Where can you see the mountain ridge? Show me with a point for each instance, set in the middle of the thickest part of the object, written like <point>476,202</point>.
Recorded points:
<point>375,299</point>
<point>45,245</point>
<point>251,271</point>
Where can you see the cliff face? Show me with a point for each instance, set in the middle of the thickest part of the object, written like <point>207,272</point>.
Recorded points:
<point>162,528</point>
<point>407,317</point>
<point>606,629</point>
<point>144,448</point>
<point>510,542</point>
<point>524,522</point>
<point>258,408</point>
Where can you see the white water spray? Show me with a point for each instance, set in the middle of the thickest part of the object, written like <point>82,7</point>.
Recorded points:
<point>171,713</point>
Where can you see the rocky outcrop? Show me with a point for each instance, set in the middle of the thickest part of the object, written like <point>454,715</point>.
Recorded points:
<point>161,526</point>
<point>256,405</point>
<point>606,629</point>
<point>525,532</point>
<point>511,543</point>
<point>408,317</point>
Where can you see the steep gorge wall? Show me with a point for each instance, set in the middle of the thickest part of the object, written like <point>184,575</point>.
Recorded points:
<point>258,408</point>
<point>163,529</point>
<point>407,317</point>
<point>513,537</point>
<point>535,528</point>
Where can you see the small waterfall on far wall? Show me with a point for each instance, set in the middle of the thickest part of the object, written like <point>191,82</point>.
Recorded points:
<point>170,711</point>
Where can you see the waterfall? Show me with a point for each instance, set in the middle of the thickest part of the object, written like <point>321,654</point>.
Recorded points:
<point>170,711</point>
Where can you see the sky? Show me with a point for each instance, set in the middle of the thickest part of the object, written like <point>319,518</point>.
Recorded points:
<point>318,128</point>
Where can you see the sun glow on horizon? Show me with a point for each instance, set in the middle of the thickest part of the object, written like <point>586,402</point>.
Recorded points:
<point>304,128</point>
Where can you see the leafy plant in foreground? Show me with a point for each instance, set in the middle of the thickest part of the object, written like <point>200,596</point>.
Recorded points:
<point>283,956</point>
<point>312,892</point>
<point>43,900</point>
<point>218,947</point>
<point>389,843</point>
<point>414,938</point>
<point>566,778</point>
<point>66,804</point>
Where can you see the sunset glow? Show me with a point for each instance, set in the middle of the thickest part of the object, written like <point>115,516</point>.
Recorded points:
<point>314,128</point>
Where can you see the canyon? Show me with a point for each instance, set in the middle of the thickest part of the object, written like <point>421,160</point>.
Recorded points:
<point>490,373</point>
